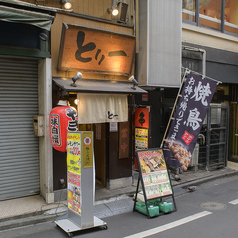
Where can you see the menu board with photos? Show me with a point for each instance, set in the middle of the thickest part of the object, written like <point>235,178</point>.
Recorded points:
<point>155,177</point>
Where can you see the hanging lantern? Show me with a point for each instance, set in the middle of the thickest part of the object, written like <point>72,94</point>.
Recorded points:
<point>63,118</point>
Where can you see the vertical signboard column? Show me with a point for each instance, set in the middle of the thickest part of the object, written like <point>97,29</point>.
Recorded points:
<point>80,178</point>
<point>87,179</point>
<point>80,183</point>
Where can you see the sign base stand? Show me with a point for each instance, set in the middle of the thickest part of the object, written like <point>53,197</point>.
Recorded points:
<point>146,200</point>
<point>69,226</point>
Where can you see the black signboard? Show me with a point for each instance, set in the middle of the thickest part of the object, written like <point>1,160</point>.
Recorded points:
<point>191,109</point>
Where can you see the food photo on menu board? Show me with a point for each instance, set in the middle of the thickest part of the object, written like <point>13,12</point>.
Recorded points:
<point>150,161</point>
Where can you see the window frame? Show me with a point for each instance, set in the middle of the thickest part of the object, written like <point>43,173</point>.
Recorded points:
<point>196,22</point>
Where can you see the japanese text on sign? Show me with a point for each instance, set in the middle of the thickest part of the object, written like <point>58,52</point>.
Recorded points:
<point>96,50</point>
<point>74,171</point>
<point>192,107</point>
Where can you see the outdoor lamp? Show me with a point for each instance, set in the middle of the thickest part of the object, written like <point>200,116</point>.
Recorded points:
<point>113,9</point>
<point>76,101</point>
<point>66,4</point>
<point>44,35</point>
<point>75,78</point>
<point>134,81</point>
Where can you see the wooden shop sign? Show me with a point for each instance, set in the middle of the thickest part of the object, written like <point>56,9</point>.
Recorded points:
<point>98,51</point>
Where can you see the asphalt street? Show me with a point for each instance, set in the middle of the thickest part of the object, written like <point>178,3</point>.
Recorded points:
<point>210,211</point>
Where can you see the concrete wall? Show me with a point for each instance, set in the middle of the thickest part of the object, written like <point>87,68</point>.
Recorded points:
<point>159,57</point>
<point>215,39</point>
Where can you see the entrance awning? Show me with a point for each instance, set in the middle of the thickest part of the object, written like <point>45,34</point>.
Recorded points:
<point>15,15</point>
<point>98,86</point>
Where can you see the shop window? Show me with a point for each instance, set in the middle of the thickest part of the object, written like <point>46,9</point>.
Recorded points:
<point>231,18</point>
<point>222,94</point>
<point>189,10</point>
<point>220,15</point>
<point>210,13</point>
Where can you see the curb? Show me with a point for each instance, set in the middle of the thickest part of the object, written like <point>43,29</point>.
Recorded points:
<point>26,221</point>
<point>207,179</point>
<point>30,219</point>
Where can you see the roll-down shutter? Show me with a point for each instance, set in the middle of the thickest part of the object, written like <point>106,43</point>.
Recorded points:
<point>19,148</point>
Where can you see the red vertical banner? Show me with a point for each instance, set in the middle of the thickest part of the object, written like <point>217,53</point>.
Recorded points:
<point>142,117</point>
<point>124,140</point>
<point>142,123</point>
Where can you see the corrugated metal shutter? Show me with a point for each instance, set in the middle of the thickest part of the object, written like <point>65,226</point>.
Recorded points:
<point>19,148</point>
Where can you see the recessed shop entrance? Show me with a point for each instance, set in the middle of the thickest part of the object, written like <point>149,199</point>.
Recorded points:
<point>234,132</point>
<point>100,152</point>
<point>106,109</point>
<point>99,132</point>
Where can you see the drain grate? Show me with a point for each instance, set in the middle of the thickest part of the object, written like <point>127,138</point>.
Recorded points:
<point>213,206</point>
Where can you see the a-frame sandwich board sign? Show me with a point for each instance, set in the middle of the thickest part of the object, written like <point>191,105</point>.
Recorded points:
<point>154,177</point>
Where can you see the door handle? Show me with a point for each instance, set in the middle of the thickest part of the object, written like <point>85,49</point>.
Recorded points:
<point>236,134</point>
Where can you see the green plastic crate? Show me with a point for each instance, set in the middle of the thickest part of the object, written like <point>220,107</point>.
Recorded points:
<point>141,207</point>
<point>165,207</point>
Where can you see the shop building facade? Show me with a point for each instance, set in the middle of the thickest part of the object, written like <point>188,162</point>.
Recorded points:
<point>106,70</point>
<point>214,32</point>
<point>113,165</point>
<point>208,47</point>
<point>155,62</point>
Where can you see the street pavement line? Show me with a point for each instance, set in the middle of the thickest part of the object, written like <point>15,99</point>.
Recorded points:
<point>169,225</point>
<point>234,202</point>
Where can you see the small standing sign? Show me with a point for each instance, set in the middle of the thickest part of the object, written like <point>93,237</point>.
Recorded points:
<point>154,177</point>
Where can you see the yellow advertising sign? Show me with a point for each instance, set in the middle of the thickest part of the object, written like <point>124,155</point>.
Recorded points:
<point>141,132</point>
<point>74,152</point>
<point>74,171</point>
<point>141,138</point>
<point>87,140</point>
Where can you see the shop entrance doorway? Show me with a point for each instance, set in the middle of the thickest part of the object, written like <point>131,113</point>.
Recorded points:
<point>100,152</point>
<point>214,137</point>
<point>99,132</point>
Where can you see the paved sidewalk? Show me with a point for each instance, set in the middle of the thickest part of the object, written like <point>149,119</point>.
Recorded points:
<point>33,209</point>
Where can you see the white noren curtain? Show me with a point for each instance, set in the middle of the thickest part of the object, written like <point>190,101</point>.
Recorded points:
<point>100,108</point>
